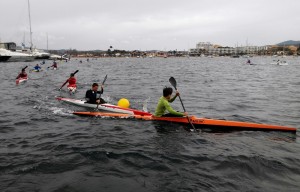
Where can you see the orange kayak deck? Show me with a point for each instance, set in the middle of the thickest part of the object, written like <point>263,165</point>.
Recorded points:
<point>198,122</point>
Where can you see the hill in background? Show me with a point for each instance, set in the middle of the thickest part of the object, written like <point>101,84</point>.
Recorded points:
<point>289,42</point>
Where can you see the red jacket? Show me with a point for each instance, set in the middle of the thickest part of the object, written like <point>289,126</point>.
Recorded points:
<point>72,82</point>
<point>22,75</point>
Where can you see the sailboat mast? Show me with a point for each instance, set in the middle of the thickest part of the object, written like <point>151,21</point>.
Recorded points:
<point>30,26</point>
<point>47,42</point>
<point>23,44</point>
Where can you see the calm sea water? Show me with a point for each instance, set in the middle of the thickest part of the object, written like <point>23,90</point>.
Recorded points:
<point>43,147</point>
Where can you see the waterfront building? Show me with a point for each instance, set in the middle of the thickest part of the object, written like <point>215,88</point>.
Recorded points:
<point>207,48</point>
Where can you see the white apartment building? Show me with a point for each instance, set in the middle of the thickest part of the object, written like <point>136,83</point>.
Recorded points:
<point>206,48</point>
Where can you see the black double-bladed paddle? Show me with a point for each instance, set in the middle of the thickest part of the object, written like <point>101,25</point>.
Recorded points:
<point>24,68</point>
<point>100,93</point>
<point>174,84</point>
<point>67,80</point>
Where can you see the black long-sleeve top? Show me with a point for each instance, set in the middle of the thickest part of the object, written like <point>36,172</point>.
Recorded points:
<point>91,96</point>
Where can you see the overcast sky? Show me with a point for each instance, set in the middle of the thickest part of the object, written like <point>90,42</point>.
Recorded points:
<point>146,25</point>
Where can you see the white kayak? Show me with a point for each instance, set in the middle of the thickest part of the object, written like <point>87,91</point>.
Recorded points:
<point>103,107</point>
<point>20,80</point>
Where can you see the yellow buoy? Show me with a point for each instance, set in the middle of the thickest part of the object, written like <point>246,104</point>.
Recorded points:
<point>123,103</point>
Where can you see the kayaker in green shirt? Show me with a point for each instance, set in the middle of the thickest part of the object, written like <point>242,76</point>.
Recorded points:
<point>164,104</point>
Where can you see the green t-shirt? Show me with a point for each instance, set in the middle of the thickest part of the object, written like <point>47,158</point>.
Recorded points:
<point>163,105</point>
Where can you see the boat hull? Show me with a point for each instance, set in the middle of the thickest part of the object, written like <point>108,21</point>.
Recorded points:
<point>103,107</point>
<point>222,125</point>
<point>43,57</point>
<point>4,58</point>
<point>20,80</point>
<point>21,59</point>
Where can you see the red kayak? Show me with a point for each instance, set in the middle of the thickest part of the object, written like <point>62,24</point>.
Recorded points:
<point>223,125</point>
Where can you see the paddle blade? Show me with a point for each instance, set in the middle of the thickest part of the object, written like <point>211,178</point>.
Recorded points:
<point>173,82</point>
<point>25,67</point>
<point>75,72</point>
<point>104,79</point>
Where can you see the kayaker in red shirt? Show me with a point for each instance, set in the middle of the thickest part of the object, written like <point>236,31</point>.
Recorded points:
<point>71,81</point>
<point>54,65</point>
<point>23,74</point>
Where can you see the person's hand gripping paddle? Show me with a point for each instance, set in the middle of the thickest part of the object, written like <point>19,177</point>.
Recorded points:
<point>174,84</point>
<point>100,93</point>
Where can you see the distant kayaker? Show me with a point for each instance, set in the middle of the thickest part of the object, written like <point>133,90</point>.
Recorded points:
<point>92,95</point>
<point>164,104</point>
<point>23,74</point>
<point>37,67</point>
<point>54,65</point>
<point>71,81</point>
<point>248,62</point>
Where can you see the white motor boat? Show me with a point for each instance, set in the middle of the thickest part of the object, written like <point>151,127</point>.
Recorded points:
<point>38,54</point>
<point>16,56</point>
<point>58,57</point>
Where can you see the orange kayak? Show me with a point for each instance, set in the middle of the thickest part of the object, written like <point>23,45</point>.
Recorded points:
<point>198,122</point>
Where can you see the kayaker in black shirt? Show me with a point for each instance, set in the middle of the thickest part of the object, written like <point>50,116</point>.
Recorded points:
<point>92,95</point>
